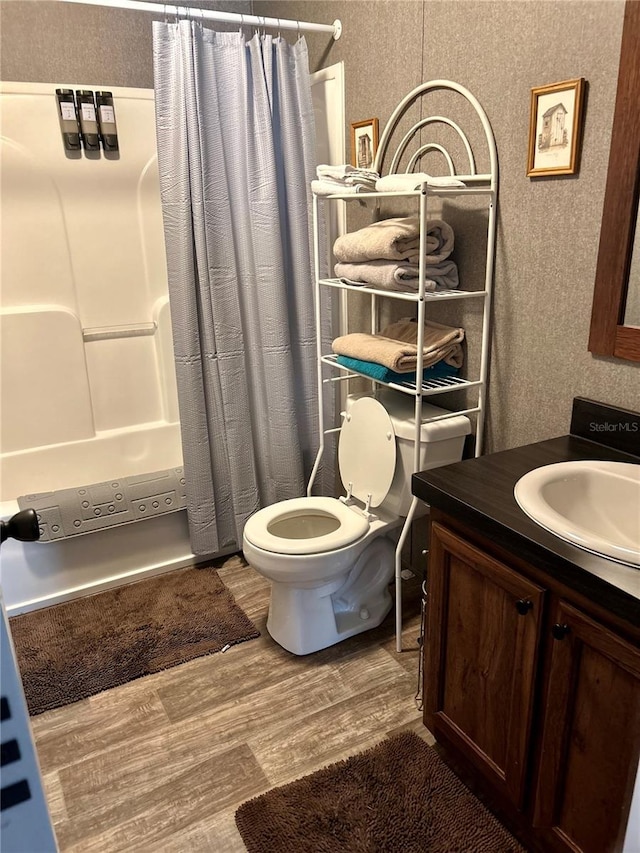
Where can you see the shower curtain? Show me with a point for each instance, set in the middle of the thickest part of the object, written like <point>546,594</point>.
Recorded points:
<point>236,142</point>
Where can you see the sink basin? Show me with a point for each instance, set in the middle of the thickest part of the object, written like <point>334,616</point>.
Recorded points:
<point>592,504</point>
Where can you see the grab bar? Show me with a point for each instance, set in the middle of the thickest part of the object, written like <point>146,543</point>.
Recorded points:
<point>106,333</point>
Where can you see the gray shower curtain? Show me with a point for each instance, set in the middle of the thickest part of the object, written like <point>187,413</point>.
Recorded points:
<point>235,133</point>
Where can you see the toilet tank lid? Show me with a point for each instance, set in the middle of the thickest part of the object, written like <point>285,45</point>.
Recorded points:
<point>401,409</point>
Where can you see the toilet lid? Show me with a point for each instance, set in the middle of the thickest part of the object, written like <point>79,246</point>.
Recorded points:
<point>367,451</point>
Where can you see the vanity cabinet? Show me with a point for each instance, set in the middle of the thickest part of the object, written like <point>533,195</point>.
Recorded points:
<point>481,646</point>
<point>536,699</point>
<point>590,735</point>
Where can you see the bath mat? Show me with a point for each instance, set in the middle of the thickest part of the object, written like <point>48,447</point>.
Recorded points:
<point>73,650</point>
<point>398,797</point>
<point>122,500</point>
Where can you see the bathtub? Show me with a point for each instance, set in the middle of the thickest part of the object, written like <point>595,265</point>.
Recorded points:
<point>88,387</point>
<point>38,574</point>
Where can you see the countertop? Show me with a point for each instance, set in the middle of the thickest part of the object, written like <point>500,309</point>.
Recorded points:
<point>479,493</point>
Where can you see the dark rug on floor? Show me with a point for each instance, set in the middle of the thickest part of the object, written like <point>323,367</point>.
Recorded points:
<point>73,650</point>
<point>399,797</point>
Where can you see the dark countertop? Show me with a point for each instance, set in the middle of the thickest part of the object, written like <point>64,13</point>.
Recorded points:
<point>479,493</point>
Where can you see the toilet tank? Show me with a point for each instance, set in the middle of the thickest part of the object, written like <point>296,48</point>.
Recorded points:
<point>441,442</point>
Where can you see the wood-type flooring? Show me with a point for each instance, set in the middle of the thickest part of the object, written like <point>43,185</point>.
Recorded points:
<point>162,763</point>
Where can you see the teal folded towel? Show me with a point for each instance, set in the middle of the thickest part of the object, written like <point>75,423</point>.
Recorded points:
<point>439,370</point>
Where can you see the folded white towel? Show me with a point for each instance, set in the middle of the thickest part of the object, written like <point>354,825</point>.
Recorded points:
<point>324,188</point>
<point>413,181</point>
<point>361,180</point>
<point>439,242</point>
<point>335,172</point>
<point>392,239</point>
<point>396,239</point>
<point>343,179</point>
<point>346,172</point>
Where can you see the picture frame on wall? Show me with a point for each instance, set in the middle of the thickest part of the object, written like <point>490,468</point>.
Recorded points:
<point>555,130</point>
<point>364,143</point>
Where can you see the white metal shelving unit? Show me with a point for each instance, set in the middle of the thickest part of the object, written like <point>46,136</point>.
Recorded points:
<point>485,184</point>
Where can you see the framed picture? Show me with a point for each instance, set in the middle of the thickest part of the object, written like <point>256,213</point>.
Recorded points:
<point>555,129</point>
<point>364,143</point>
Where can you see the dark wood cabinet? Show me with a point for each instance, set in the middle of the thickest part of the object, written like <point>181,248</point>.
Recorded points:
<point>536,699</point>
<point>481,654</point>
<point>590,735</point>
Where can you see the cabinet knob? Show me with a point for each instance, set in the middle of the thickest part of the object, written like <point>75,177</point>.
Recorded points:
<point>523,606</point>
<point>559,631</point>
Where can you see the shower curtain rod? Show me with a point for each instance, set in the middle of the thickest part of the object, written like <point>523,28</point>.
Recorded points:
<point>209,15</point>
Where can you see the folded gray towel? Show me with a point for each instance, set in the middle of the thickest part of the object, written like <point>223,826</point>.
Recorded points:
<point>385,275</point>
<point>399,275</point>
<point>396,346</point>
<point>395,239</point>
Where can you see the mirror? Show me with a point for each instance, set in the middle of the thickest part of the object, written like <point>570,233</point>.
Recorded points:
<point>615,317</point>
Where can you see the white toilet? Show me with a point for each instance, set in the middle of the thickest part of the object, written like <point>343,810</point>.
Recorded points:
<point>330,560</point>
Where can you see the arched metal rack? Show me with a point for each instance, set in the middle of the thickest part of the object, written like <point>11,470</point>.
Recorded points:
<point>475,184</point>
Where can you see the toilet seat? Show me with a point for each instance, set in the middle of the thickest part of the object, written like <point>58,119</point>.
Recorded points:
<point>318,525</point>
<point>350,525</point>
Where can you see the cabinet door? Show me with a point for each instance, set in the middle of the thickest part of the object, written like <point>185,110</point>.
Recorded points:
<point>591,736</point>
<point>481,654</point>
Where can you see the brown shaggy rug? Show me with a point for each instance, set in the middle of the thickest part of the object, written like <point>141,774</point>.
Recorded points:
<point>73,650</point>
<point>399,797</point>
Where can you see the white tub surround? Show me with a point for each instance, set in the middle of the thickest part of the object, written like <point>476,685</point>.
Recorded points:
<point>87,381</point>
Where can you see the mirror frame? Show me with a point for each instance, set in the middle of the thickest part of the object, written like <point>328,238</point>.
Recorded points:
<point>608,334</point>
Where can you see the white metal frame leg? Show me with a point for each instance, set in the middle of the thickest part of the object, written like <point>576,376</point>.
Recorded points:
<point>403,538</point>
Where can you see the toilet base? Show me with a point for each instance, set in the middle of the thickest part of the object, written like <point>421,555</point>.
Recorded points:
<point>303,627</point>
<point>304,620</point>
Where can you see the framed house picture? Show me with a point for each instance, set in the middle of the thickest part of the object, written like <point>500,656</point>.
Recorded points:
<point>364,143</point>
<point>555,130</point>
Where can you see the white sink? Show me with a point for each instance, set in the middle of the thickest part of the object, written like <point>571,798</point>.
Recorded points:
<point>594,505</point>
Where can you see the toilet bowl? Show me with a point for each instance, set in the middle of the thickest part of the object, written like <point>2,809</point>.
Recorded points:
<point>330,560</point>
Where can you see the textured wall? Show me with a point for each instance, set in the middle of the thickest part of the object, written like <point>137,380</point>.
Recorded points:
<point>548,228</point>
<point>53,42</point>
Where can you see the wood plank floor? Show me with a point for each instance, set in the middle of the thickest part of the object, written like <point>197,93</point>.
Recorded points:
<point>162,763</point>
